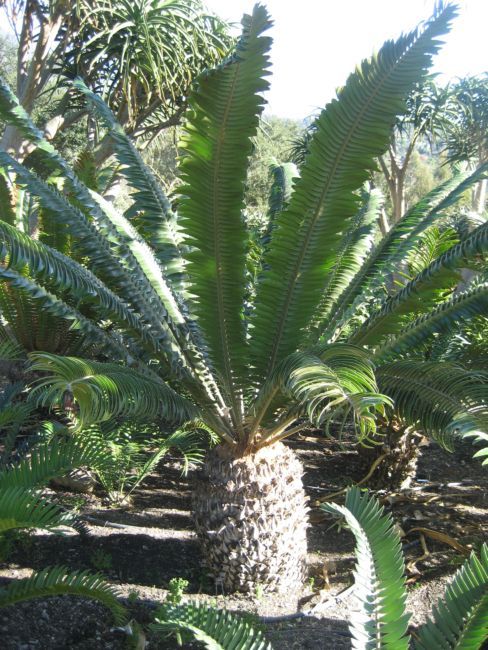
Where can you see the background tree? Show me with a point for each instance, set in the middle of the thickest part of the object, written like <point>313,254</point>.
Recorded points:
<point>424,120</point>
<point>467,130</point>
<point>142,56</point>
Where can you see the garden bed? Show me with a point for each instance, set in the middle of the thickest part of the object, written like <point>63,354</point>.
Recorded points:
<point>152,541</point>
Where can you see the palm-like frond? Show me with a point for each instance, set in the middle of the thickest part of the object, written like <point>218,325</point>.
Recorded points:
<point>350,133</point>
<point>48,302</point>
<point>50,460</point>
<point>398,244</point>
<point>50,267</point>
<point>283,177</point>
<point>381,622</point>
<point>143,56</point>
<point>335,381</point>
<point>151,211</point>
<point>116,254</point>
<point>105,390</point>
<point>109,252</point>
<point>106,238</point>
<point>31,326</point>
<point>24,508</point>
<point>424,291</point>
<point>355,246</point>
<point>58,580</point>
<point>215,629</point>
<point>223,116</point>
<point>443,318</point>
<point>442,399</point>
<point>460,618</point>
<point>7,213</point>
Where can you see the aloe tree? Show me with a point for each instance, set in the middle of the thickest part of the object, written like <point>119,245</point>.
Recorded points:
<point>191,335</point>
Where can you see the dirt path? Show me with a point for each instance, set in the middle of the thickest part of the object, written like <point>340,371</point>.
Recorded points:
<point>157,543</point>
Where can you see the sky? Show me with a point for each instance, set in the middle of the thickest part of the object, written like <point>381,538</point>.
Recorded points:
<point>317,43</point>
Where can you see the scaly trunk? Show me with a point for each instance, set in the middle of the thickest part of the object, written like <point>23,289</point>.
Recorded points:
<point>399,458</point>
<point>251,516</point>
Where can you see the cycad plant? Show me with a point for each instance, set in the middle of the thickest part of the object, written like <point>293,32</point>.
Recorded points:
<point>458,620</point>
<point>23,506</point>
<point>192,335</point>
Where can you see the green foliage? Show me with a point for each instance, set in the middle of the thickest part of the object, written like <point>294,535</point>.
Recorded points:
<point>245,329</point>
<point>24,508</point>
<point>134,450</point>
<point>460,619</point>
<point>146,54</point>
<point>101,560</point>
<point>308,236</point>
<point>56,581</point>
<point>104,391</point>
<point>381,621</point>
<point>51,459</point>
<point>215,629</point>
<point>447,401</point>
<point>271,147</point>
<point>210,209</point>
<point>466,131</point>
<point>176,587</point>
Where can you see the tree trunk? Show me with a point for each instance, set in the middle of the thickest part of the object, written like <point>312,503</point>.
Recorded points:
<point>251,516</point>
<point>400,451</point>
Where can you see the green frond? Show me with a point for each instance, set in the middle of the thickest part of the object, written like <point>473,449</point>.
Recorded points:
<point>283,177</point>
<point>188,442</point>
<point>480,437</point>
<point>443,400</point>
<point>50,267</point>
<point>151,211</point>
<point>337,380</point>
<point>426,290</point>
<point>380,622</point>
<point>59,580</point>
<point>7,212</point>
<point>108,249</point>
<point>435,241</point>
<point>399,243</point>
<point>10,351</point>
<point>107,239</point>
<point>215,629</point>
<point>50,303</point>
<point>460,618</point>
<point>103,391</point>
<point>118,256</point>
<point>24,508</point>
<point>443,318</point>
<point>50,460</point>
<point>356,245</point>
<point>222,118</point>
<point>350,133</point>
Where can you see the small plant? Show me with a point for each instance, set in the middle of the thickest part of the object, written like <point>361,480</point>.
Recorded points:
<point>177,587</point>
<point>135,451</point>
<point>101,560</point>
<point>132,597</point>
<point>259,591</point>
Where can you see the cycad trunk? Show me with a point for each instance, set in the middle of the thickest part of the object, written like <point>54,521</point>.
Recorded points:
<point>400,454</point>
<point>251,517</point>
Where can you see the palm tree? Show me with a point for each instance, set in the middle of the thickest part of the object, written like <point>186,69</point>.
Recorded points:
<point>189,335</point>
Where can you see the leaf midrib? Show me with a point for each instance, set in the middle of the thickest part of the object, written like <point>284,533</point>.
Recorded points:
<point>318,210</point>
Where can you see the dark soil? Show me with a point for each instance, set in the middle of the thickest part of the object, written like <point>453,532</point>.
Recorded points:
<point>157,543</point>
